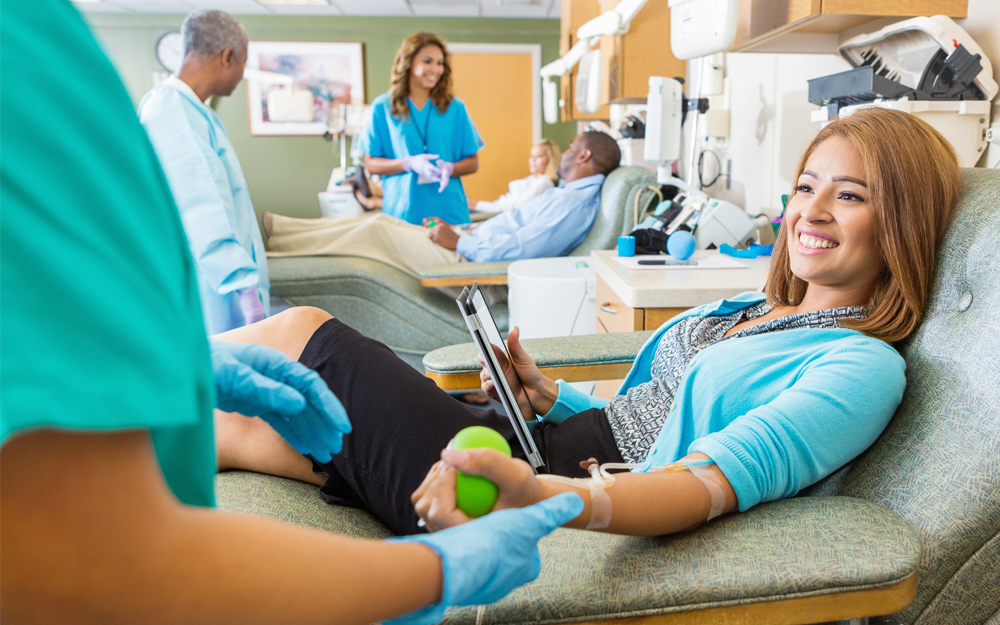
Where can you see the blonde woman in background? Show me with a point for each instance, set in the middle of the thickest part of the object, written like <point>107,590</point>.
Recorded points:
<point>543,163</point>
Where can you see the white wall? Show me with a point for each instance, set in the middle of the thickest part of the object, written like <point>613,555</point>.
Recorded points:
<point>769,114</point>
<point>769,125</point>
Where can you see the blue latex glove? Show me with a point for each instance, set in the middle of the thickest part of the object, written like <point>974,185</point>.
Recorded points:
<point>485,559</point>
<point>423,165</point>
<point>446,169</point>
<point>259,381</point>
<point>251,305</point>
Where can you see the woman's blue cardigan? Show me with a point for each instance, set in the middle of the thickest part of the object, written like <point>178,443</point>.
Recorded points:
<point>776,411</point>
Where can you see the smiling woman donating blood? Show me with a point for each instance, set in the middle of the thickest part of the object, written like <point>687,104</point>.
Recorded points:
<point>730,404</point>
<point>420,137</point>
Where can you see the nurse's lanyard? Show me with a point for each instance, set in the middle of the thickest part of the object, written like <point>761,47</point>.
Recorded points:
<point>423,135</point>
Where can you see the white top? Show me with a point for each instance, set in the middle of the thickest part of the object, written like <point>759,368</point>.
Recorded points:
<point>183,87</point>
<point>520,191</point>
<point>671,288</point>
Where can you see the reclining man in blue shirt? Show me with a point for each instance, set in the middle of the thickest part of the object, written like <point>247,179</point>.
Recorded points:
<point>552,224</point>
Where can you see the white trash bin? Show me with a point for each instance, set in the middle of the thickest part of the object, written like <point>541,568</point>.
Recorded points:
<point>553,297</point>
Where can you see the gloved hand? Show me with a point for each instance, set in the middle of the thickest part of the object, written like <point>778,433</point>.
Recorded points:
<point>250,304</point>
<point>259,381</point>
<point>447,169</point>
<point>423,165</point>
<point>487,558</point>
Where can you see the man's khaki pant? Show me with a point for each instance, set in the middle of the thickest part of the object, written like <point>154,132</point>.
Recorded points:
<point>375,236</point>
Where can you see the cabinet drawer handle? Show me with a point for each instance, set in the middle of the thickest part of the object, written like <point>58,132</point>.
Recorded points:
<point>609,308</point>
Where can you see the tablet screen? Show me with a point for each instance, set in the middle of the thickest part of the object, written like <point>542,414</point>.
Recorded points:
<point>488,332</point>
<point>486,318</point>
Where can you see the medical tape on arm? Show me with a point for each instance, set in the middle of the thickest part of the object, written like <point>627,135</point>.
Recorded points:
<point>708,478</point>
<point>598,484</point>
<point>600,481</point>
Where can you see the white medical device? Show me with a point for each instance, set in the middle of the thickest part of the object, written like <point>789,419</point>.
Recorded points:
<point>588,83</point>
<point>702,27</point>
<point>715,221</point>
<point>926,66</point>
<point>664,112</point>
<point>609,23</point>
<point>723,222</point>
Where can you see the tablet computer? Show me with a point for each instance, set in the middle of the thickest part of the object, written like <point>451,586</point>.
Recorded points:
<point>485,333</point>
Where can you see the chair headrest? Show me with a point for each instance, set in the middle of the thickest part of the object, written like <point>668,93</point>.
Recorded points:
<point>617,198</point>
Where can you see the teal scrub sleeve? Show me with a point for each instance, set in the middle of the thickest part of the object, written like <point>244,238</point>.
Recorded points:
<point>192,172</point>
<point>835,410</point>
<point>102,328</point>
<point>570,402</point>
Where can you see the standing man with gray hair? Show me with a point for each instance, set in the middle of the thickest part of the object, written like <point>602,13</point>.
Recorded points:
<point>204,174</point>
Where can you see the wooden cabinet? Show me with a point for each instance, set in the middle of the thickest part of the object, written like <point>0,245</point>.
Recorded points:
<point>627,61</point>
<point>793,25</point>
<point>614,315</point>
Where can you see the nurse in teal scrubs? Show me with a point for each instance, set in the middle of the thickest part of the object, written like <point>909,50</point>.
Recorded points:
<point>420,137</point>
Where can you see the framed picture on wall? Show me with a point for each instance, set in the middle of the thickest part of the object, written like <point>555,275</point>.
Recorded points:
<point>297,87</point>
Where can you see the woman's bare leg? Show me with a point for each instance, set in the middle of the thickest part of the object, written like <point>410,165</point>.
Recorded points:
<point>251,444</point>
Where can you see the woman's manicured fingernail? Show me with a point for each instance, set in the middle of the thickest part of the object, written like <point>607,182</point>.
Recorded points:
<point>454,457</point>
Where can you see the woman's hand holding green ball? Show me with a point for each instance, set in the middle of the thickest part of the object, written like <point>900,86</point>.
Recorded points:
<point>476,495</point>
<point>490,480</point>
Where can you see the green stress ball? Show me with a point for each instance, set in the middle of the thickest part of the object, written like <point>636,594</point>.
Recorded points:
<point>476,495</point>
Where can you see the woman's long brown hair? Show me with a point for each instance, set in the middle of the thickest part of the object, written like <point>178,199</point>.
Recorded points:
<point>913,179</point>
<point>399,92</point>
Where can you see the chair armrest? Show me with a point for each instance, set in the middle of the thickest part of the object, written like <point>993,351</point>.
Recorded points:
<point>571,358</point>
<point>481,216</point>
<point>800,560</point>
<point>464,274</point>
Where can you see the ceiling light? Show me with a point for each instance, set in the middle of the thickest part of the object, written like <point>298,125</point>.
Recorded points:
<point>288,2</point>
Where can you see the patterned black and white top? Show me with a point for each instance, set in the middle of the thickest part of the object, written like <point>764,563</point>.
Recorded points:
<point>636,417</point>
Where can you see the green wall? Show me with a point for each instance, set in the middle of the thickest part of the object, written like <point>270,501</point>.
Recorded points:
<point>285,173</point>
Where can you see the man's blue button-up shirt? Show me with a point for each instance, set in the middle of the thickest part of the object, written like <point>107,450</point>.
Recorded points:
<point>551,224</point>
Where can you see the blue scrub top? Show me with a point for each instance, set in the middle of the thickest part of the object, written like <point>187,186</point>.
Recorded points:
<point>451,134</point>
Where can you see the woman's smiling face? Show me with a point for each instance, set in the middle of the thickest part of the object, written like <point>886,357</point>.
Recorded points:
<point>427,66</point>
<point>831,240</point>
<point>538,160</point>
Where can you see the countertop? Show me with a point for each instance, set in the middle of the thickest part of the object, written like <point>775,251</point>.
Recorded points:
<point>678,288</point>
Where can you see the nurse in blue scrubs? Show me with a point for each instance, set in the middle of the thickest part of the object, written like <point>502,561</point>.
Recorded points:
<point>420,137</point>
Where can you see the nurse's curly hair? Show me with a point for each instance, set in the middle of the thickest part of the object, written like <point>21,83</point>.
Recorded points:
<point>441,94</point>
<point>913,180</point>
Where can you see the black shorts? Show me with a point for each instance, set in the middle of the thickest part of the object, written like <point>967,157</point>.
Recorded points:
<point>401,421</point>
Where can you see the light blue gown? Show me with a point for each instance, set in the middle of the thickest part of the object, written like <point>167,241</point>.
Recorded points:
<point>212,196</point>
<point>451,135</point>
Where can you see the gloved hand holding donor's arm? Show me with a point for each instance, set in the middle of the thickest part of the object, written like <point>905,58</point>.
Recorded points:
<point>487,558</point>
<point>254,380</point>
